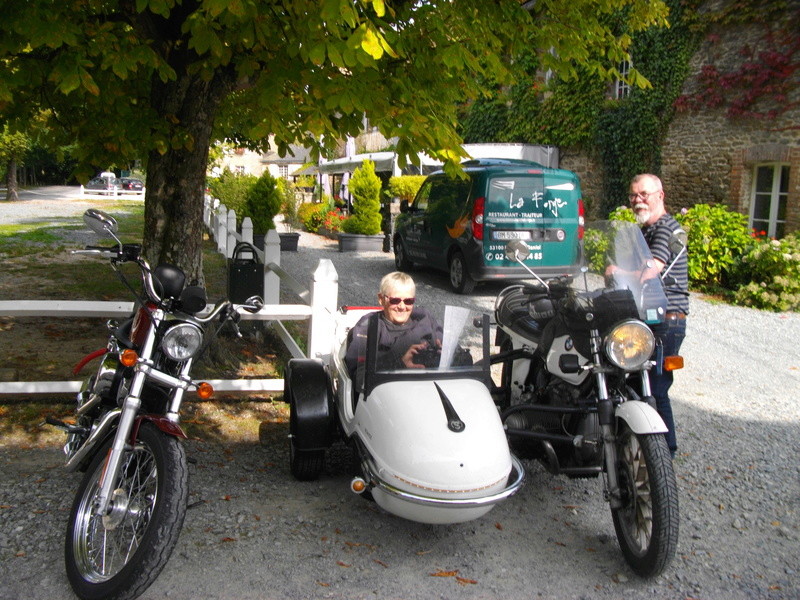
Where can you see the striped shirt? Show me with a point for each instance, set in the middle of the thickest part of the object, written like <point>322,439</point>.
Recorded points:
<point>657,236</point>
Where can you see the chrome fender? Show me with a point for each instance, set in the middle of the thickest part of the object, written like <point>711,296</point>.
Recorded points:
<point>640,417</point>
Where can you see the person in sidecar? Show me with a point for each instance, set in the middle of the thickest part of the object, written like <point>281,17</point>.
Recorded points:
<point>406,333</point>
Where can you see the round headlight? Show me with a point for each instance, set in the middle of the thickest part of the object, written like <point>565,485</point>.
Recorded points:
<point>630,345</point>
<point>182,341</point>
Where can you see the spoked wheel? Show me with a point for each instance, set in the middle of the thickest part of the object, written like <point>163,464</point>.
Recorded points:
<point>647,523</point>
<point>460,279</point>
<point>120,554</point>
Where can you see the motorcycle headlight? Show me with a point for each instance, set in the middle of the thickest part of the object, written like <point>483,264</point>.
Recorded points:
<point>629,345</point>
<point>182,341</point>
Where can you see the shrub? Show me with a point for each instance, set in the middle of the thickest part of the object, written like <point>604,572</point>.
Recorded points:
<point>263,203</point>
<point>622,213</point>
<point>312,216</point>
<point>333,220</point>
<point>773,267</point>
<point>717,239</point>
<point>231,189</point>
<point>405,187</point>
<point>365,186</point>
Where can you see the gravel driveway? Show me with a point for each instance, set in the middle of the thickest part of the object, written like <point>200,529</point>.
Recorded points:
<point>254,532</point>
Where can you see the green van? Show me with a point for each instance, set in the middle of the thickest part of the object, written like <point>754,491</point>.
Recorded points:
<point>462,225</point>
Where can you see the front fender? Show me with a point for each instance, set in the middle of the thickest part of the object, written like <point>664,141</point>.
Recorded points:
<point>310,397</point>
<point>640,417</point>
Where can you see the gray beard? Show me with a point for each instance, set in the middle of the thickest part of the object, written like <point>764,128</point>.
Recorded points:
<point>642,216</point>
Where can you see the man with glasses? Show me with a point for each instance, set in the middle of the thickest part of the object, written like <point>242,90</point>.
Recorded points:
<point>647,201</point>
<point>404,330</point>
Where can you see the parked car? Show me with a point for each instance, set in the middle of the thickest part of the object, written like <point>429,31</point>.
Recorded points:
<point>131,184</point>
<point>462,225</point>
<point>104,185</point>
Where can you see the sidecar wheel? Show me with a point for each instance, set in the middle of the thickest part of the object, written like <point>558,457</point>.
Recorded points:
<point>647,523</point>
<point>120,555</point>
<point>305,465</point>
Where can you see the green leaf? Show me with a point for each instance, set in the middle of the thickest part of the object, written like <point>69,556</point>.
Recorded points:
<point>317,54</point>
<point>370,43</point>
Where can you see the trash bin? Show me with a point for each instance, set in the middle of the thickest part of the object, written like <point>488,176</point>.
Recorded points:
<point>245,274</point>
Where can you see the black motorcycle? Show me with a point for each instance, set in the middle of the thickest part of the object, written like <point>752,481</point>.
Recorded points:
<point>575,392</point>
<point>130,506</point>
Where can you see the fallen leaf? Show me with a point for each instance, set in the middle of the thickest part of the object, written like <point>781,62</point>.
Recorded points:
<point>561,544</point>
<point>464,581</point>
<point>775,587</point>
<point>591,550</point>
<point>381,563</point>
<point>422,552</point>
<point>228,539</point>
<point>343,564</point>
<point>498,526</point>
<point>776,523</point>
<point>441,573</point>
<point>323,584</point>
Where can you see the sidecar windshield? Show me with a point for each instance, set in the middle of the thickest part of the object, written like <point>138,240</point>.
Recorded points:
<point>616,257</point>
<point>459,348</point>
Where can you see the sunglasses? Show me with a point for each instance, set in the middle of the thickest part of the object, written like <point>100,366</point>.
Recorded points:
<point>396,301</point>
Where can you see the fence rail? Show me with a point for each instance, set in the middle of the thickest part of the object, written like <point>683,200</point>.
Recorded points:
<point>318,306</point>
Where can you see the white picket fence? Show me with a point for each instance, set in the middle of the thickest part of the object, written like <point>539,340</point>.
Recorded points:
<point>318,306</point>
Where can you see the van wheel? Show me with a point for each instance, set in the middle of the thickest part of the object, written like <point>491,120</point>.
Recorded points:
<point>460,279</point>
<point>401,257</point>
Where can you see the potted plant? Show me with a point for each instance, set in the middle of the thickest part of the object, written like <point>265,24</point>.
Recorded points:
<point>263,203</point>
<point>362,229</point>
<point>290,237</point>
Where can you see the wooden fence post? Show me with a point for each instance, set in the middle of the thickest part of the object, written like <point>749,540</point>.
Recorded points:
<point>231,230</point>
<point>324,294</point>
<point>272,254</point>
<point>247,230</point>
<point>222,236</point>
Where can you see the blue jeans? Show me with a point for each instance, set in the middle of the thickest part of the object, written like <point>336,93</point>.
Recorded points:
<point>671,334</point>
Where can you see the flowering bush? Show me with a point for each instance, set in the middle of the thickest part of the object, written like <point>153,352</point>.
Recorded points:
<point>333,220</point>
<point>773,268</point>
<point>312,216</point>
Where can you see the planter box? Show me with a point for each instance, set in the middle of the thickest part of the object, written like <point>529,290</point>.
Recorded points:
<point>289,241</point>
<point>349,242</point>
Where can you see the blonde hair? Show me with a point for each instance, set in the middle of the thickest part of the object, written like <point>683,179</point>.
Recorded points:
<point>396,279</point>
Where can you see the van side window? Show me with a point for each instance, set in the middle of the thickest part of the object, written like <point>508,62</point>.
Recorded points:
<point>421,201</point>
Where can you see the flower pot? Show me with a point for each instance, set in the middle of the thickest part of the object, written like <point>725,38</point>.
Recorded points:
<point>289,241</point>
<point>349,242</point>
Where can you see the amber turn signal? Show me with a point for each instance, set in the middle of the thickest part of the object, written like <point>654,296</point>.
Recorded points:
<point>205,391</point>
<point>673,363</point>
<point>128,358</point>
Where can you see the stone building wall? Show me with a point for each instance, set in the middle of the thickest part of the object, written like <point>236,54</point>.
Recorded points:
<point>708,157</point>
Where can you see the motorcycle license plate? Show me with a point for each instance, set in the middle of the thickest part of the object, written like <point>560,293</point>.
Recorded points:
<point>512,235</point>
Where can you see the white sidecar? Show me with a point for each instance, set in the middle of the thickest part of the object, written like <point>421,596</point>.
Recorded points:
<point>430,442</point>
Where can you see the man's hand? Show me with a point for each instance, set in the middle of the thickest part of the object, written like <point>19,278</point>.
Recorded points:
<point>408,357</point>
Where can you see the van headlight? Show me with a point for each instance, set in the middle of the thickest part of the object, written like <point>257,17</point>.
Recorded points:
<point>182,341</point>
<point>629,345</point>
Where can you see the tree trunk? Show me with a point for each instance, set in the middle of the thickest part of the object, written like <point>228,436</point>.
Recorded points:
<point>176,179</point>
<point>11,181</point>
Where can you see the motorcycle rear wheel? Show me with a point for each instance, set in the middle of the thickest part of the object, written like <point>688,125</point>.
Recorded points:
<point>120,555</point>
<point>647,523</point>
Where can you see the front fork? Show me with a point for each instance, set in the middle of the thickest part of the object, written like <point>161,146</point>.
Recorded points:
<point>131,408</point>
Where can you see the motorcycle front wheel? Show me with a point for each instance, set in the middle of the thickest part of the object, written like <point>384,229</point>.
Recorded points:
<point>119,555</point>
<point>647,522</point>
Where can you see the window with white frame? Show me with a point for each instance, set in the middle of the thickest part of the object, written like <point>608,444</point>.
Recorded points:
<point>621,88</point>
<point>283,171</point>
<point>768,202</point>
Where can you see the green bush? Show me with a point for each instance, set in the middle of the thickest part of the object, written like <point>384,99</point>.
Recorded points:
<point>231,189</point>
<point>365,186</point>
<point>622,213</point>
<point>312,216</point>
<point>718,238</point>
<point>773,268</point>
<point>263,203</point>
<point>405,187</point>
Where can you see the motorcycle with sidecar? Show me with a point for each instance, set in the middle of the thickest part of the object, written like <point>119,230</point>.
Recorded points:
<point>429,442</point>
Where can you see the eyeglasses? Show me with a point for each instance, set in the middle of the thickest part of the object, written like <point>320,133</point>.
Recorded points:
<point>642,195</point>
<point>396,301</point>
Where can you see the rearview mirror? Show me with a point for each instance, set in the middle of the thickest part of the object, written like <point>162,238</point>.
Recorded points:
<point>517,250</point>
<point>100,222</point>
<point>678,241</point>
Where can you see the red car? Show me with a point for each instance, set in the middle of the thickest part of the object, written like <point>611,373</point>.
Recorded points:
<point>132,184</point>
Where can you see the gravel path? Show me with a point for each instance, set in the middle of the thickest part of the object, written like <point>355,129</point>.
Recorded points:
<point>254,532</point>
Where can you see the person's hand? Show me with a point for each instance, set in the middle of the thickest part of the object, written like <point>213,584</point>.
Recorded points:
<point>408,357</point>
